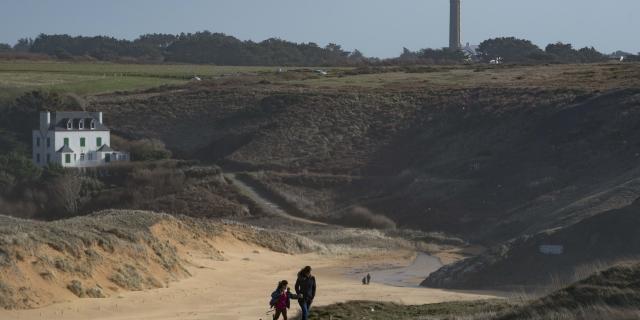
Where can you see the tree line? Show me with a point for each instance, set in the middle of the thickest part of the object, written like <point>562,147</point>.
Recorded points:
<point>220,49</point>
<point>511,50</point>
<point>201,47</point>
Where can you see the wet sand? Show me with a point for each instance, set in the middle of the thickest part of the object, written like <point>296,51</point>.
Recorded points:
<point>404,276</point>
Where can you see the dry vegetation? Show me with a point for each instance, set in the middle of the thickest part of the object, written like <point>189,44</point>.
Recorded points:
<point>176,187</point>
<point>110,251</point>
<point>90,256</point>
<point>590,246</point>
<point>532,154</point>
<point>515,149</point>
<point>609,294</point>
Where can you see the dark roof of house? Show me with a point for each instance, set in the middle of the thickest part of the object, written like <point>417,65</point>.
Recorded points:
<point>60,119</point>
<point>105,148</point>
<point>65,149</point>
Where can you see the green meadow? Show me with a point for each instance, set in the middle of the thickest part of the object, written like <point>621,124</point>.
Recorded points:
<point>86,78</point>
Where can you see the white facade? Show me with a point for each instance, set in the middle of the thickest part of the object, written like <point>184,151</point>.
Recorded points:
<point>73,139</point>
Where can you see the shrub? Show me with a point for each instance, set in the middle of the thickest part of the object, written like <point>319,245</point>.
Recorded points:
<point>64,195</point>
<point>511,49</point>
<point>16,169</point>
<point>19,166</point>
<point>53,170</point>
<point>361,217</point>
<point>142,150</point>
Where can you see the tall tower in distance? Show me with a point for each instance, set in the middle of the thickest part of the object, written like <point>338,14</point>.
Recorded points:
<point>454,25</point>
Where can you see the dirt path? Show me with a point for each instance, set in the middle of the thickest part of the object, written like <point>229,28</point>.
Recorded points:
<point>263,202</point>
<point>238,288</point>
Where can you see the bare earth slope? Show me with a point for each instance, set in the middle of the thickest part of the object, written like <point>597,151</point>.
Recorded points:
<point>145,265</point>
<point>107,252</point>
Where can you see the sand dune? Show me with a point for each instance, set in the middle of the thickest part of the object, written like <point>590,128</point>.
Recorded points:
<point>239,287</point>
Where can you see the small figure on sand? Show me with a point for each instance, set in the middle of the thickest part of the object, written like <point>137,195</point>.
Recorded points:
<point>281,300</point>
<point>306,291</point>
<point>368,278</point>
<point>364,281</point>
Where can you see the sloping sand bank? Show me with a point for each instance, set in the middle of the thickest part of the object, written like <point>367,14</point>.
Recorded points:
<point>239,288</point>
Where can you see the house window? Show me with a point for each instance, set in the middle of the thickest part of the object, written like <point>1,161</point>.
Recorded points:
<point>81,124</point>
<point>67,158</point>
<point>93,124</point>
<point>37,142</point>
<point>37,157</point>
<point>82,157</point>
<point>82,142</point>
<point>98,142</point>
<point>66,142</point>
<point>48,142</point>
<point>69,125</point>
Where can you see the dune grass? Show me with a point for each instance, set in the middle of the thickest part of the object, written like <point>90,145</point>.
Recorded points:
<point>370,310</point>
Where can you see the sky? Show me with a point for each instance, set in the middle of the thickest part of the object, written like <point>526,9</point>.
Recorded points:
<point>379,28</point>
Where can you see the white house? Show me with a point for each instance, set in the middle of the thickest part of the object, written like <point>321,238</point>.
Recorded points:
<point>74,139</point>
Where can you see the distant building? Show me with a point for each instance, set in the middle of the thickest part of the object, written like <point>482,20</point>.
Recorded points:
<point>551,249</point>
<point>470,50</point>
<point>74,139</point>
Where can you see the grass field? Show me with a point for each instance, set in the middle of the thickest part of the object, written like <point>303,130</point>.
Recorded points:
<point>604,76</point>
<point>87,78</point>
<point>92,77</point>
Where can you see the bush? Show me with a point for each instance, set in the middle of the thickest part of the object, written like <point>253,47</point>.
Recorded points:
<point>512,50</point>
<point>16,169</point>
<point>53,170</point>
<point>142,150</point>
<point>156,182</point>
<point>361,217</point>
<point>64,196</point>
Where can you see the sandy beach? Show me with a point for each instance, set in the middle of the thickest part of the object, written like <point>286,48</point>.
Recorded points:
<point>239,287</point>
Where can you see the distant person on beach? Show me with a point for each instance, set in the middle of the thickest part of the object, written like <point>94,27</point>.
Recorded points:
<point>305,290</point>
<point>281,300</point>
<point>368,278</point>
<point>364,280</point>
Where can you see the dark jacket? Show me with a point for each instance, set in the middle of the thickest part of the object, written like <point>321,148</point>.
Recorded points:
<point>306,286</point>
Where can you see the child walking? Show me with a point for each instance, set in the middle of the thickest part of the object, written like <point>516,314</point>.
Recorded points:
<point>281,300</point>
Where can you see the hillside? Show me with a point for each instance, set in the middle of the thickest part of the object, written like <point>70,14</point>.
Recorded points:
<point>591,244</point>
<point>439,149</point>
<point>611,294</point>
<point>509,156</point>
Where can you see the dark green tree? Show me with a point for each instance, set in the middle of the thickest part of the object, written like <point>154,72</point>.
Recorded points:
<point>23,45</point>
<point>562,52</point>
<point>511,50</point>
<point>590,54</point>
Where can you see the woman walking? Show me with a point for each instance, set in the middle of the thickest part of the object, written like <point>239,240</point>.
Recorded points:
<point>306,290</point>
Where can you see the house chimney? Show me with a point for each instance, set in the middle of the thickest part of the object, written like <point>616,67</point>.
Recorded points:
<point>45,120</point>
<point>100,117</point>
